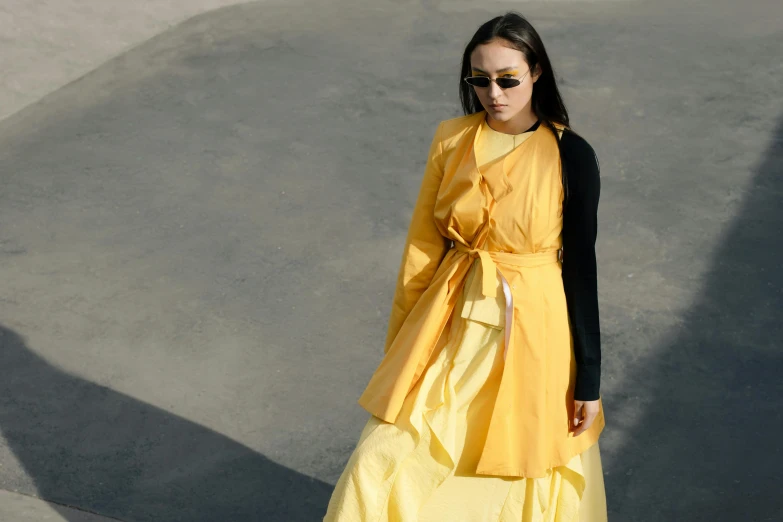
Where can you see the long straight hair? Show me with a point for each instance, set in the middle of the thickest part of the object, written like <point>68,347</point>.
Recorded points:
<point>546,101</point>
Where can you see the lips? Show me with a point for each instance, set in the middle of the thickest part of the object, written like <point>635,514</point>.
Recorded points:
<point>497,106</point>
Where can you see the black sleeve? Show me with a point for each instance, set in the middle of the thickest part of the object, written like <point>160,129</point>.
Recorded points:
<point>580,227</point>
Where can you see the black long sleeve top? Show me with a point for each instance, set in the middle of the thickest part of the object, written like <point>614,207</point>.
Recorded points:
<point>580,228</point>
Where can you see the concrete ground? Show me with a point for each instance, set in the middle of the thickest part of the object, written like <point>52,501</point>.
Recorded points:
<point>202,222</point>
<point>22,508</point>
<point>47,44</point>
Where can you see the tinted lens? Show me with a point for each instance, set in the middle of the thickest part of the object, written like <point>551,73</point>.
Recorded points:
<point>505,83</point>
<point>478,81</point>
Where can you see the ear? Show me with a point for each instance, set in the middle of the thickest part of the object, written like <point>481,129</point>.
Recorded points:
<point>536,72</point>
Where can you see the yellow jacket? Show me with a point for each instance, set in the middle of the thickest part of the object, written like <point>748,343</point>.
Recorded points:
<point>464,214</point>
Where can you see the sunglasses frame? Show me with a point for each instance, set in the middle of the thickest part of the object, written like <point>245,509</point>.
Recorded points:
<point>517,80</point>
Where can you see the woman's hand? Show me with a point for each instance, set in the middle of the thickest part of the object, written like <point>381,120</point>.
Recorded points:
<point>585,413</point>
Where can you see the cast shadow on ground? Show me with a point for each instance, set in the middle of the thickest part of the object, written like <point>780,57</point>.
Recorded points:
<point>88,446</point>
<point>707,448</point>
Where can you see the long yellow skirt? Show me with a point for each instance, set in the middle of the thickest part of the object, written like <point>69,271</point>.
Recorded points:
<point>419,469</point>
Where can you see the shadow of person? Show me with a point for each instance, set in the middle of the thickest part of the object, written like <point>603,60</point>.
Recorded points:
<point>708,447</point>
<point>86,445</point>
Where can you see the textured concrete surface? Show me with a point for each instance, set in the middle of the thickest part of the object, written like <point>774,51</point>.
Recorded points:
<point>48,43</point>
<point>200,239</point>
<point>21,508</point>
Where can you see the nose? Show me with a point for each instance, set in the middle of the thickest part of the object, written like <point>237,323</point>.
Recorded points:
<point>494,91</point>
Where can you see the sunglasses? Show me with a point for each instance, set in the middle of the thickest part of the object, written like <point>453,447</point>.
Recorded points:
<point>503,83</point>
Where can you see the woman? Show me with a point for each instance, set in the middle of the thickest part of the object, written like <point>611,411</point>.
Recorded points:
<point>486,404</point>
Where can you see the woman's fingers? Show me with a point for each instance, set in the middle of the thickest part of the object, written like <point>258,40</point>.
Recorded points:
<point>589,411</point>
<point>587,421</point>
<point>578,407</point>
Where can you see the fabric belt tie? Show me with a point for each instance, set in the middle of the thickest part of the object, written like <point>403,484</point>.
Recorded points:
<point>488,267</point>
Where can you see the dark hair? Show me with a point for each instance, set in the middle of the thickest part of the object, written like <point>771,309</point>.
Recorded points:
<point>546,101</point>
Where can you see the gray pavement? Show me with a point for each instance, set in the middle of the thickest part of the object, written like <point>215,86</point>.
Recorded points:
<point>21,508</point>
<point>200,237</point>
<point>48,44</point>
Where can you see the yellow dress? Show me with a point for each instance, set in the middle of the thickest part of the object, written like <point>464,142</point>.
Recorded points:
<point>403,471</point>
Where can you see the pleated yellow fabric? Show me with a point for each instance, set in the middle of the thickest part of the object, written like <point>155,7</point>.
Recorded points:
<point>421,468</point>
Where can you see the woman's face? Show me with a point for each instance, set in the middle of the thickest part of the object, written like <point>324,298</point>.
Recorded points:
<point>497,59</point>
